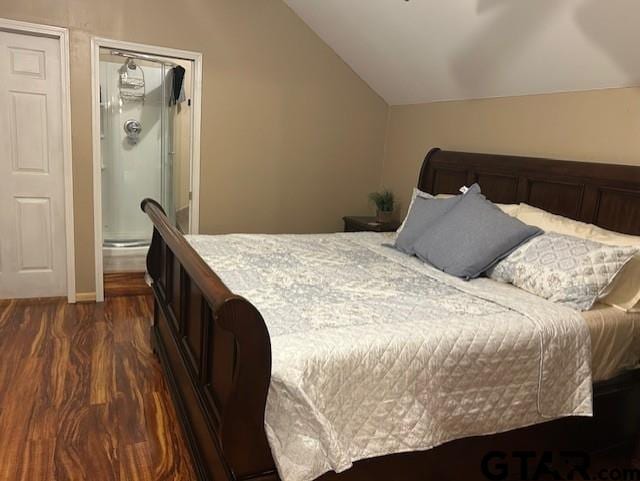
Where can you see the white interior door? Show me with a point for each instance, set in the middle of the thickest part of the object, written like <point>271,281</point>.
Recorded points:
<point>32,209</point>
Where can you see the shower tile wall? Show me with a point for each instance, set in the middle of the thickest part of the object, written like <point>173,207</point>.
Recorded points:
<point>131,171</point>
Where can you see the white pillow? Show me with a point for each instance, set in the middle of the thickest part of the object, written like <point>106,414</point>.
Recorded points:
<point>624,291</point>
<point>509,209</point>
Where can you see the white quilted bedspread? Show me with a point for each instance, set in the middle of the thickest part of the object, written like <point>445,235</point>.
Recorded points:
<point>375,352</point>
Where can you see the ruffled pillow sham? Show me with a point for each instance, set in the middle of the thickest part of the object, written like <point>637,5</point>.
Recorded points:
<point>563,269</point>
<point>624,292</point>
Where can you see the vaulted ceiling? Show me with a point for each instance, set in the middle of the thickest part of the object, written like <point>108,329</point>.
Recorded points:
<point>428,50</point>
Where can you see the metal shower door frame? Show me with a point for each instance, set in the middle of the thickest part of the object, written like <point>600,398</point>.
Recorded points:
<point>196,102</point>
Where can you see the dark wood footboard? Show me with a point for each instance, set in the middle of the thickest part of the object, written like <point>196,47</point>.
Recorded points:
<point>216,352</point>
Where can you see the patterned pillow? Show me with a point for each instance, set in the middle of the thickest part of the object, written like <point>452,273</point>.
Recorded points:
<point>563,269</point>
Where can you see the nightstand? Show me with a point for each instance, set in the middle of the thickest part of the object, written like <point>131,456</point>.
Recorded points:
<point>361,224</point>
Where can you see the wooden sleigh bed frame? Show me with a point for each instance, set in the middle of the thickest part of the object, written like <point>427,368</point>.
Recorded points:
<point>215,349</point>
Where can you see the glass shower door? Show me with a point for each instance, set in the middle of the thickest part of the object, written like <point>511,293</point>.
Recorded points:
<point>135,146</point>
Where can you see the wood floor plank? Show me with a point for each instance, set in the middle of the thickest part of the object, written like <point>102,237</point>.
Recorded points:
<point>16,413</point>
<point>37,461</point>
<point>60,351</point>
<point>82,395</point>
<point>169,464</point>
<point>118,284</point>
<point>103,383</point>
<point>135,462</point>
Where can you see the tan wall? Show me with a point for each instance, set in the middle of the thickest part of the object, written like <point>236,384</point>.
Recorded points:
<point>292,139</point>
<point>598,126</point>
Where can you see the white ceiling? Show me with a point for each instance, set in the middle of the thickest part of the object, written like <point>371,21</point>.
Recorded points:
<point>428,50</point>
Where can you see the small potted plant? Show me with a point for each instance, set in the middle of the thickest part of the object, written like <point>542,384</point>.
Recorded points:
<point>384,203</point>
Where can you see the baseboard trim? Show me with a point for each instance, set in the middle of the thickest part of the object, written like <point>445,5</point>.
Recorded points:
<point>85,297</point>
<point>31,300</point>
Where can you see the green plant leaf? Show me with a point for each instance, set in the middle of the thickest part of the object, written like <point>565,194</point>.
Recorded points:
<point>383,200</point>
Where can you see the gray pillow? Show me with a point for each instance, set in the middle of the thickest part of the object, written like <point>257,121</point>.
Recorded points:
<point>423,212</point>
<point>472,237</point>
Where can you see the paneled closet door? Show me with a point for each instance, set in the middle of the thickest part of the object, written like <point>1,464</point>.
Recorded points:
<point>32,210</point>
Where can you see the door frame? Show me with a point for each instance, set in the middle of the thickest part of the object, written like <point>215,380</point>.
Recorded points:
<point>196,112</point>
<point>62,35</point>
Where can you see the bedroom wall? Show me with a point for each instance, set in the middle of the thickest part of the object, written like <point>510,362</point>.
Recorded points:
<point>597,126</point>
<point>292,138</point>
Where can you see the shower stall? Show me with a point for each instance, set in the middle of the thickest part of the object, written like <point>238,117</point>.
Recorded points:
<point>137,117</point>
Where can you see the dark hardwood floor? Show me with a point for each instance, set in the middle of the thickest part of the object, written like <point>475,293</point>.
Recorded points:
<point>82,396</point>
<point>125,284</point>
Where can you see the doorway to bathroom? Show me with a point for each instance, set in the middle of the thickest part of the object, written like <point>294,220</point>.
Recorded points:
<point>146,122</point>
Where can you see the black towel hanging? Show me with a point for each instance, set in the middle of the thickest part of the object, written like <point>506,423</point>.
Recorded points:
<point>178,78</point>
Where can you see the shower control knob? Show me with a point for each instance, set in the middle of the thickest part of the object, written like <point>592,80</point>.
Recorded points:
<point>132,128</point>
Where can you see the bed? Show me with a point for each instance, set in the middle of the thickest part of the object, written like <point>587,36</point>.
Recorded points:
<point>216,349</point>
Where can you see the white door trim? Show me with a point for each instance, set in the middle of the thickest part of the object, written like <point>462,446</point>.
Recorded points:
<point>196,58</point>
<point>62,34</point>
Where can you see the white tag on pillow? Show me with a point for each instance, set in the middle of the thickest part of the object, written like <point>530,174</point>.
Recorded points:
<point>464,189</point>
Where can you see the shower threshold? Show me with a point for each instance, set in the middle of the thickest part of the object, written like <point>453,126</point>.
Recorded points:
<point>127,243</point>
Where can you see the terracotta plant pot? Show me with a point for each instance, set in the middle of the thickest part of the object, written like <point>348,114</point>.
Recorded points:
<point>384,216</point>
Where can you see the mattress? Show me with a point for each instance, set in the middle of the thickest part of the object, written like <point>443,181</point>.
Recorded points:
<point>375,352</point>
<point>615,340</point>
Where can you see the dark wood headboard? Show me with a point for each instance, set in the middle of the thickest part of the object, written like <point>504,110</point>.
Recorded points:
<point>603,194</point>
